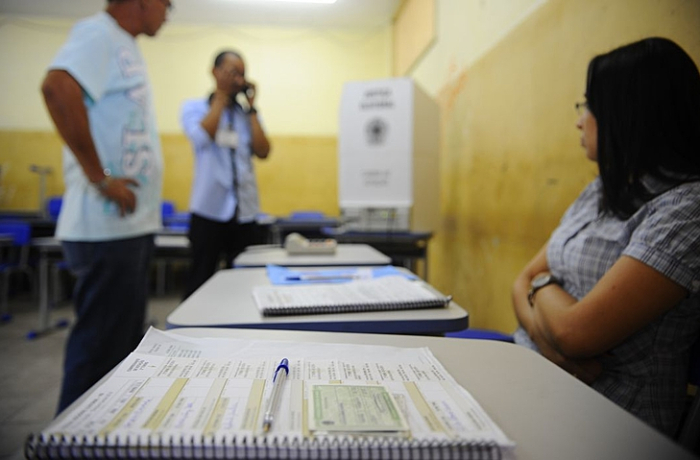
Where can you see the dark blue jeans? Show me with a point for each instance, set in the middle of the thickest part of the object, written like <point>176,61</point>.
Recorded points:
<point>110,297</point>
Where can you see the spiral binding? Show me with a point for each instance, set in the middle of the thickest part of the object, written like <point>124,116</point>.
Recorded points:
<point>157,447</point>
<point>350,308</point>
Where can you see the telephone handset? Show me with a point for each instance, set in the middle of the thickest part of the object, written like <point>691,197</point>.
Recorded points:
<point>295,243</point>
<point>248,91</point>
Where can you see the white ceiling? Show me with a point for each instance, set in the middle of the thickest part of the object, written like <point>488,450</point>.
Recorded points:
<point>343,13</point>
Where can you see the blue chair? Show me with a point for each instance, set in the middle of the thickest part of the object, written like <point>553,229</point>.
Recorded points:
<point>167,210</point>
<point>481,334</point>
<point>173,220</point>
<point>690,431</point>
<point>176,222</point>
<point>14,260</point>
<point>307,215</point>
<point>53,207</point>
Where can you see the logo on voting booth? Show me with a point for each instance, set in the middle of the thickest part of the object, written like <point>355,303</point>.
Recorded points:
<point>376,131</point>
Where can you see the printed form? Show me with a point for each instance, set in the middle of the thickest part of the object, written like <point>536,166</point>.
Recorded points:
<point>173,386</point>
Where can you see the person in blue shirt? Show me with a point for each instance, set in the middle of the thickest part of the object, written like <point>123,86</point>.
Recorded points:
<point>614,295</point>
<point>225,135</point>
<point>98,95</point>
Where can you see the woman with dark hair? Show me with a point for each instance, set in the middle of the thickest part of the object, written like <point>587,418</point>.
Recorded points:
<point>613,297</point>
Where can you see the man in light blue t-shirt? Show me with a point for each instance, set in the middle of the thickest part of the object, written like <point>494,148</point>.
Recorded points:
<point>99,97</point>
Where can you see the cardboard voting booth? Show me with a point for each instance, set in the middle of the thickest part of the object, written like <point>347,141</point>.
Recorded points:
<point>388,156</point>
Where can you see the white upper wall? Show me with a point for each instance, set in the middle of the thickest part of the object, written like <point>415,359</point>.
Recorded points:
<point>299,72</point>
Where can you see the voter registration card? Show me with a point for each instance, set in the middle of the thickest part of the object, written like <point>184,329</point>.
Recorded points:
<point>368,409</point>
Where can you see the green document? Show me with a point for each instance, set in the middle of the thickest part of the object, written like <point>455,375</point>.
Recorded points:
<point>354,408</point>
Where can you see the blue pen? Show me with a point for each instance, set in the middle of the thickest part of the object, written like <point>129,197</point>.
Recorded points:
<point>320,277</point>
<point>277,385</point>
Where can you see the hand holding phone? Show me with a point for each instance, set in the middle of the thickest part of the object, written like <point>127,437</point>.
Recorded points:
<point>248,91</point>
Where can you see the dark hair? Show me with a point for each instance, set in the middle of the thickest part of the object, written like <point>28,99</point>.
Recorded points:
<point>220,57</point>
<point>645,97</point>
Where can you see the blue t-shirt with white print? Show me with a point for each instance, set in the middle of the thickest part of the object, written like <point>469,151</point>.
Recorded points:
<point>105,60</point>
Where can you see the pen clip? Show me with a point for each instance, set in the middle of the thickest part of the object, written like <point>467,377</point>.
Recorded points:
<point>284,364</point>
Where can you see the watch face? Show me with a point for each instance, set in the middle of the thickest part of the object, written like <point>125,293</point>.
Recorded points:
<point>541,280</point>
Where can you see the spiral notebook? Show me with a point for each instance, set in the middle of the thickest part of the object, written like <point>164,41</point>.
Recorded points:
<point>187,398</point>
<point>380,294</point>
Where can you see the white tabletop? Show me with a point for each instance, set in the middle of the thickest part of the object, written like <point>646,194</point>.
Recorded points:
<point>226,300</point>
<point>167,241</point>
<point>345,255</point>
<point>172,241</point>
<point>548,413</point>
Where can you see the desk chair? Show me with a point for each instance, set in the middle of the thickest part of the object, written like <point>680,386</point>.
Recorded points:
<point>53,207</point>
<point>172,220</point>
<point>167,210</point>
<point>306,215</point>
<point>690,431</point>
<point>16,260</point>
<point>175,222</point>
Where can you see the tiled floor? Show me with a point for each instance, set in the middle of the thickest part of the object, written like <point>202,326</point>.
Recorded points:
<point>30,370</point>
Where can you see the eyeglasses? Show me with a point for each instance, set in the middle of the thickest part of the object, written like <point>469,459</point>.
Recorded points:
<point>235,73</point>
<point>580,107</point>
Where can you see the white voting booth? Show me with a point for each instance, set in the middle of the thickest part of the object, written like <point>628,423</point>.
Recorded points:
<point>388,156</point>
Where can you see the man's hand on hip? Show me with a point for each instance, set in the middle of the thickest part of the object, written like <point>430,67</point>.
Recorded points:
<point>117,189</point>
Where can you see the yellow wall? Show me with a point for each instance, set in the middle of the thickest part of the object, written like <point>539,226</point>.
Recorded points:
<point>299,74</point>
<point>19,188</point>
<point>305,177</point>
<point>510,156</point>
<point>302,174</point>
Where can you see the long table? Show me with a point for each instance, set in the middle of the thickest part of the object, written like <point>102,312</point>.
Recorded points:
<point>225,300</point>
<point>345,255</point>
<point>548,413</point>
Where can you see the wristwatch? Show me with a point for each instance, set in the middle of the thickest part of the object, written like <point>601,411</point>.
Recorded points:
<point>538,282</point>
<point>104,183</point>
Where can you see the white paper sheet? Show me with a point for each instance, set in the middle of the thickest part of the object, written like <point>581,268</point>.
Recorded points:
<point>173,386</point>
